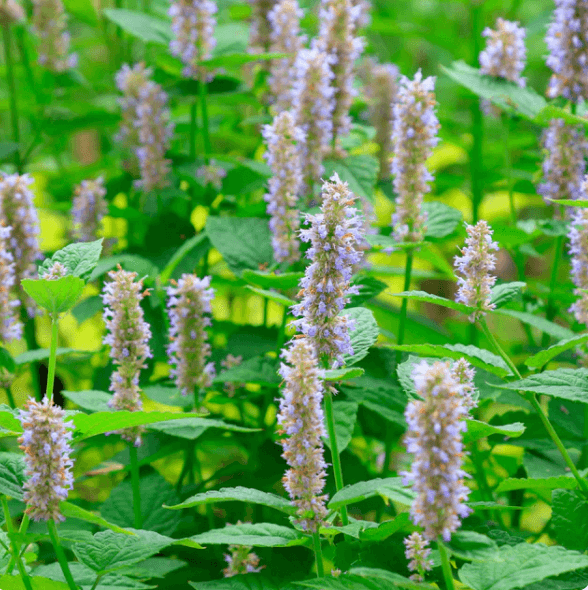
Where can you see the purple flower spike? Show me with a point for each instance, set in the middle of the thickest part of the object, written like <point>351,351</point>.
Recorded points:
<point>10,325</point>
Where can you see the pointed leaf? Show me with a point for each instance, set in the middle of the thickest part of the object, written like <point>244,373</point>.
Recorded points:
<point>56,296</point>
<point>436,299</point>
<point>543,483</point>
<point>273,296</point>
<point>140,25</point>
<point>442,220</point>
<point>540,323</point>
<point>359,171</point>
<point>477,430</point>
<point>343,374</point>
<point>79,259</point>
<point>365,579</point>
<point>390,488</point>
<point>260,370</point>
<point>12,475</point>
<point>505,292</point>
<point>542,358</point>
<point>345,416</point>
<point>364,334</point>
<point>570,384</point>
<point>253,535</point>
<point>265,280</point>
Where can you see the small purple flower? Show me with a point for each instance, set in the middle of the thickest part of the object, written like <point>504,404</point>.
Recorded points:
<point>45,441</point>
<point>464,374</point>
<point>57,271</point>
<point>418,552</point>
<point>505,52</point>
<point>10,325</point>
<point>579,254</point>
<point>211,174</point>
<point>259,35</point>
<point>241,560</point>
<point>88,209</point>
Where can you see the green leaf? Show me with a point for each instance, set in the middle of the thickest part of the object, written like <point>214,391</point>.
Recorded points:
<point>140,25</point>
<point>6,361</point>
<point>505,292</point>
<point>343,374</point>
<point>91,399</point>
<point>253,535</point>
<point>472,546</point>
<point>87,308</point>
<point>79,259</point>
<point>365,579</point>
<point>540,323</point>
<point>478,357</point>
<point>569,518</point>
<point>56,296</point>
<point>550,112</point>
<point>369,287</point>
<point>7,148</point>
<point>506,95</point>
<point>345,416</point>
<point>238,494</point>
<point>265,280</point>
<point>70,510</point>
<point>436,299</point>
<point>228,60</point>
<point>168,396</point>
<point>542,358</point>
<point>273,296</point>
<point>9,582</point>
<point>40,354</point>
<point>192,428</point>
<point>570,384</point>
<point>379,242</point>
<point>154,492</point>
<point>241,582</point>
<point>570,202</point>
<point>521,565</point>
<point>387,528</point>
<point>390,488</point>
<point>244,242</point>
<point>130,262</point>
<point>542,483</point>
<point>383,397</point>
<point>359,171</point>
<point>477,430</point>
<point>364,334</point>
<point>196,245</point>
<point>260,369</point>
<point>12,475</point>
<point>442,220</point>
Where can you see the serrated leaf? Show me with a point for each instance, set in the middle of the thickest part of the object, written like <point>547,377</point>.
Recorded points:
<point>168,396</point>
<point>363,336</point>
<point>390,488</point>
<point>345,416</point>
<point>79,259</point>
<point>70,510</point>
<point>365,579</point>
<point>570,384</point>
<point>87,308</point>
<point>9,582</point>
<point>140,25</point>
<point>550,112</point>
<point>12,475</point>
<point>569,518</point>
<point>387,528</point>
<point>543,483</point>
<point>265,280</point>
<point>369,287</point>
<point>238,494</point>
<point>477,430</point>
<point>6,360</point>
<point>521,565</point>
<point>273,296</point>
<point>471,546</point>
<point>191,429</point>
<point>343,374</point>
<point>130,262</point>
<point>244,242</point>
<point>538,322</point>
<point>383,397</point>
<point>359,171</point>
<point>542,358</point>
<point>253,535</point>
<point>91,399</point>
<point>505,292</point>
<point>56,296</point>
<point>436,299</point>
<point>442,219</point>
<point>261,370</point>
<point>40,354</point>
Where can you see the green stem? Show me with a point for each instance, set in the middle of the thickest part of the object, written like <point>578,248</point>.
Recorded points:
<point>551,308</point>
<point>330,420</point>
<point>52,356</point>
<point>24,525</point>
<point>282,332</point>
<point>15,548</point>
<point>506,120</point>
<point>193,129</point>
<point>12,95</point>
<point>60,555</point>
<point>204,109</point>
<point>537,407</point>
<point>10,397</point>
<point>318,552</point>
<point>446,566</point>
<point>96,582</point>
<point>135,482</point>
<point>404,304</point>
<point>476,156</point>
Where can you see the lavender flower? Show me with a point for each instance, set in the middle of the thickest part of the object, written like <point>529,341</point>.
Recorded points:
<point>19,212</point>
<point>284,141</point>
<point>259,35</point>
<point>418,552</point>
<point>579,253</point>
<point>475,264</point>
<point>45,441</point>
<point>567,41</point>
<point>382,92</point>
<point>146,128</point>
<point>312,106</point>
<point>10,12</point>
<point>193,24</point>
<point>413,139</point>
<point>211,174</point>
<point>505,52</point>
<point>88,209</point>
<point>334,234</point>
<point>49,24</point>
<point>188,303</point>
<point>564,163</point>
<point>361,11</point>
<point>301,421</point>
<point>434,437</point>
<point>10,325</point>
<point>337,39</point>
<point>129,341</point>
<point>57,271</point>
<point>464,374</point>
<point>284,38</point>
<point>240,561</point>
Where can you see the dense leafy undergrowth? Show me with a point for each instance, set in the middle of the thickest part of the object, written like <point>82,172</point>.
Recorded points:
<point>247,405</point>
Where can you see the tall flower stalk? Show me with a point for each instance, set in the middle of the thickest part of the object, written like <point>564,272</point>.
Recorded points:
<point>260,33</point>
<point>88,209</point>
<point>10,324</point>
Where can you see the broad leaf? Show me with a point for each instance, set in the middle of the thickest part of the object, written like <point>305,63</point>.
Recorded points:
<point>79,259</point>
<point>193,428</point>
<point>70,510</point>
<point>365,579</point>
<point>140,25</point>
<point>442,220</point>
<point>194,249</point>
<point>343,374</point>
<point>387,528</point>
<point>369,287</point>
<point>273,296</point>
<point>168,396</point>
<point>569,518</point>
<point>477,430</point>
<point>363,335</point>
<point>40,354</point>
<point>130,262</point>
<point>12,475</point>
<point>472,546</point>
<point>91,400</point>
<point>254,535</point>
<point>359,171</point>
<point>242,582</point>
<point>436,299</point>
<point>56,296</point>
<point>542,358</point>
<point>265,280</point>
<point>390,488</point>
<point>261,370</point>
<point>538,322</point>
<point>8,582</point>
<point>505,292</point>
<point>345,416</point>
<point>544,483</point>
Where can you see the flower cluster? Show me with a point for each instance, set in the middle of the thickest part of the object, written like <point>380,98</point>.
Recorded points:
<point>284,38</point>
<point>146,128</point>
<point>19,212</point>
<point>240,561</point>
<point>434,437</point>
<point>189,350</point>
<point>259,34</point>
<point>567,41</point>
<point>229,362</point>
<point>212,174</point>
<point>10,325</point>
<point>284,141</point>
<point>338,40</point>
<point>334,234</point>
<point>193,24</point>
<point>362,10</point>
<point>418,552</point>
<point>413,138</point>
<point>45,441</point>
<point>382,91</point>
<point>564,163</point>
<point>10,12</point>
<point>464,374</point>
<point>49,24</point>
<point>88,209</point>
<point>579,253</point>
<point>128,337</point>
<point>301,421</point>
<point>475,265</point>
<point>57,271</point>
<point>505,52</point>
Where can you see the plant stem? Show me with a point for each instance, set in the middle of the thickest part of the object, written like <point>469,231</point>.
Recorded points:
<point>96,582</point>
<point>193,129</point>
<point>282,332</point>
<point>446,566</point>
<point>476,159</point>
<point>203,108</point>
<point>404,304</point>
<point>12,95</point>
<point>551,309</point>
<point>10,397</point>
<point>330,419</point>
<point>537,407</point>
<point>52,356</point>
<point>60,555</point>
<point>318,552</point>
<point>136,486</point>
<point>24,525</point>
<point>506,120</point>
<point>15,548</point>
